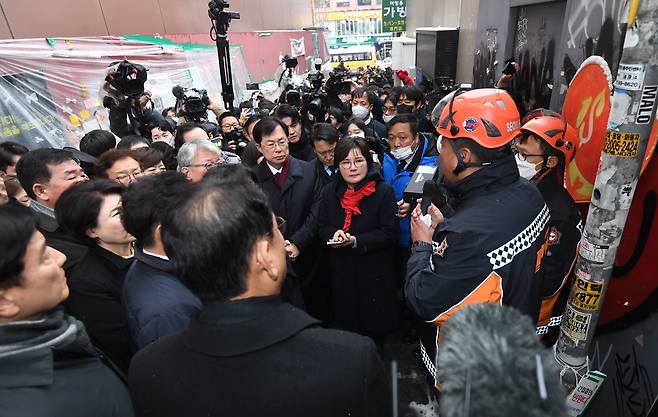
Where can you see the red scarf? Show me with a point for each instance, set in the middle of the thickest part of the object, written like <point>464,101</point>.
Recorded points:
<point>350,202</point>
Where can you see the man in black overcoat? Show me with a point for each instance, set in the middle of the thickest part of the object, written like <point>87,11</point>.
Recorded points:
<point>247,353</point>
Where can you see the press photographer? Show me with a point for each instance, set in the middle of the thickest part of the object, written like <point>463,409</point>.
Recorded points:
<point>233,138</point>
<point>127,101</point>
<point>192,105</point>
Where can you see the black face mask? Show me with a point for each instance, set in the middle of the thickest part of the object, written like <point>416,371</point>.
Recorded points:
<point>405,108</point>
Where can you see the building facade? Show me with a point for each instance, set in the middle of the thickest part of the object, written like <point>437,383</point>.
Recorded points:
<point>52,18</point>
<point>348,18</point>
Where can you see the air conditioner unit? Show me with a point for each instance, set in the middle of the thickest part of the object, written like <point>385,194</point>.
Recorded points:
<point>436,53</point>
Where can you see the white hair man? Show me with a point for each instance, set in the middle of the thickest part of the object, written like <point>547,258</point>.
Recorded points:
<point>196,157</point>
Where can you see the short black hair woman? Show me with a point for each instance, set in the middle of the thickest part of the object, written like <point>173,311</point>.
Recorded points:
<point>92,213</point>
<point>357,220</point>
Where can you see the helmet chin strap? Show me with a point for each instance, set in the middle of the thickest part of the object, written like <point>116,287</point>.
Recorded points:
<point>461,165</point>
<point>543,170</point>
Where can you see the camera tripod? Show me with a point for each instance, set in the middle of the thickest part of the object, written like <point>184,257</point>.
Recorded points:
<point>218,32</point>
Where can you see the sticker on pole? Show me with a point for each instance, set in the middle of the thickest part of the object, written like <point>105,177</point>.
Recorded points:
<point>647,103</point>
<point>626,195</point>
<point>584,393</point>
<point>576,324</point>
<point>591,251</point>
<point>622,145</point>
<point>630,77</point>
<point>586,295</point>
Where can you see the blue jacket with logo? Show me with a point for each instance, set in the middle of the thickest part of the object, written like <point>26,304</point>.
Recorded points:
<point>426,155</point>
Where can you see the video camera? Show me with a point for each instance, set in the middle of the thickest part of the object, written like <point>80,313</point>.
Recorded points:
<point>126,78</point>
<point>191,102</point>
<point>339,80</point>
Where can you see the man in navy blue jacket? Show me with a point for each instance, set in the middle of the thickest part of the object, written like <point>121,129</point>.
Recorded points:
<point>157,302</point>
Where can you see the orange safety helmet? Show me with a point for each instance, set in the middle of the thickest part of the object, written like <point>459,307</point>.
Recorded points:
<point>554,129</point>
<point>487,115</point>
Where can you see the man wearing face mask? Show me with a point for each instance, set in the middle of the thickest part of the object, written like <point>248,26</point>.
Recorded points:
<point>362,103</point>
<point>409,149</point>
<point>412,100</point>
<point>546,146</point>
<point>490,250</point>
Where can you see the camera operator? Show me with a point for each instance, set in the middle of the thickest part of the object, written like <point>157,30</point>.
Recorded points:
<point>192,105</point>
<point>127,101</point>
<point>233,138</point>
<point>339,86</point>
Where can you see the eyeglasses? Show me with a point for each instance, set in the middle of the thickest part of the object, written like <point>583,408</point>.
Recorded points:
<point>282,144</point>
<point>208,165</point>
<point>347,164</point>
<point>524,156</point>
<point>391,109</point>
<point>127,178</point>
<point>232,125</point>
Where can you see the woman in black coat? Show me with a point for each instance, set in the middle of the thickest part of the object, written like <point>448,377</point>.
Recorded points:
<point>92,213</point>
<point>357,221</point>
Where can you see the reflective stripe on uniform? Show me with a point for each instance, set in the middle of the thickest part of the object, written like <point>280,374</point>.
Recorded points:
<point>554,321</point>
<point>505,254</point>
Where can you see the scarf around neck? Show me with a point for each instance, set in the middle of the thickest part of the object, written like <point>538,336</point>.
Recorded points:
<point>56,330</point>
<point>350,201</point>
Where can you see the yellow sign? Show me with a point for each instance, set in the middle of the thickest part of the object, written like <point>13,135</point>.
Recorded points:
<point>354,15</point>
<point>623,145</point>
<point>586,295</point>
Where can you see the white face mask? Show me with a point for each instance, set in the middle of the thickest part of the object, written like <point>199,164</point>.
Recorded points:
<point>402,153</point>
<point>527,169</point>
<point>387,118</point>
<point>361,135</point>
<point>360,112</point>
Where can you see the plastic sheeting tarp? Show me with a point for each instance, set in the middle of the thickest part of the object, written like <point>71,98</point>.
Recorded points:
<point>50,88</point>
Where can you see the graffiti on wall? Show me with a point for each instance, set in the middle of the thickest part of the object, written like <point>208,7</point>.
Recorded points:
<point>537,29</point>
<point>627,359</point>
<point>484,68</point>
<point>632,386</point>
<point>591,28</point>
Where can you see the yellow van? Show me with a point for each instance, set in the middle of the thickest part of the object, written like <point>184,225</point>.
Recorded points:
<point>354,56</point>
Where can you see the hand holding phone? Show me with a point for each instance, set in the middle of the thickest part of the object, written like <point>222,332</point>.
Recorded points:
<point>510,68</point>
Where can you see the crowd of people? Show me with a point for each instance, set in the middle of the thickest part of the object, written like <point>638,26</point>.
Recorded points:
<point>258,264</point>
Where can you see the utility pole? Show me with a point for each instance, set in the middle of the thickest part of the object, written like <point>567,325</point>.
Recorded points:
<point>626,140</point>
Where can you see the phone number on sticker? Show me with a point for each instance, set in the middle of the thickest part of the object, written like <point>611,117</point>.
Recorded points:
<point>586,295</point>
<point>623,145</point>
<point>576,324</point>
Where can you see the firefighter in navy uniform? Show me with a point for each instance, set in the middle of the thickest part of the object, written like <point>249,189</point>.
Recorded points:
<point>546,146</point>
<point>490,249</point>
